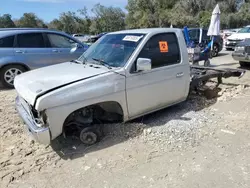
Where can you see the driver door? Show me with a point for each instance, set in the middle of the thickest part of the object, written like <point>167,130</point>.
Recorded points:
<point>165,84</point>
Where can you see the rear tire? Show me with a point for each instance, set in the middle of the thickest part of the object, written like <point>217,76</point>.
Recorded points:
<point>228,49</point>
<point>215,51</point>
<point>8,74</point>
<point>243,64</point>
<point>207,63</point>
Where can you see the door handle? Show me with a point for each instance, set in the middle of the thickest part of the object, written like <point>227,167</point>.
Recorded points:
<point>56,51</point>
<point>20,51</point>
<point>180,74</point>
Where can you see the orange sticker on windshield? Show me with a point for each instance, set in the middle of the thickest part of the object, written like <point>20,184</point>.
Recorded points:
<point>163,46</point>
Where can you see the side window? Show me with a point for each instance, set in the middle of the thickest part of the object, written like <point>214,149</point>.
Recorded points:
<point>162,49</point>
<point>59,41</point>
<point>7,42</point>
<point>205,37</point>
<point>30,40</point>
<point>193,34</point>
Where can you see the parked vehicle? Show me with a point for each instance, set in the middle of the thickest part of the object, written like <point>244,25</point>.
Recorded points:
<point>196,33</point>
<point>242,52</point>
<point>235,38</point>
<point>122,76</point>
<point>24,49</point>
<point>93,39</point>
<point>81,37</point>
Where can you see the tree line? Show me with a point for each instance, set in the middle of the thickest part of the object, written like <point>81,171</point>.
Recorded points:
<point>139,14</point>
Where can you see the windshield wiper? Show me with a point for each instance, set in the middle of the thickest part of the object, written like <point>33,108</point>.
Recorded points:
<point>101,62</point>
<point>80,60</point>
<point>76,61</point>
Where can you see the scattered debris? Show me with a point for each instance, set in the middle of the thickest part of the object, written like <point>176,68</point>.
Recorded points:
<point>176,128</point>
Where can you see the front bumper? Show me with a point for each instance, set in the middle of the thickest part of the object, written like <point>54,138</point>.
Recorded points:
<point>231,44</point>
<point>241,56</point>
<point>41,135</point>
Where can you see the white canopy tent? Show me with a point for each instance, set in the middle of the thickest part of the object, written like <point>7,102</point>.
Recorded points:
<point>214,27</point>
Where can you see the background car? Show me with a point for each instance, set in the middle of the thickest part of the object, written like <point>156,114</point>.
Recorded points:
<point>93,39</point>
<point>24,49</point>
<point>196,33</point>
<point>241,51</point>
<point>237,37</point>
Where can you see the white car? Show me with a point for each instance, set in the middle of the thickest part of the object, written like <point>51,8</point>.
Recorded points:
<point>235,38</point>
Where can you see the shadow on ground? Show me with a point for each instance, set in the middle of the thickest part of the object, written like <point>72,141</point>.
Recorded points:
<point>246,67</point>
<point>118,133</point>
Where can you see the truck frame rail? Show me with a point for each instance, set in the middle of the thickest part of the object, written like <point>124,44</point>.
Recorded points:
<point>200,75</point>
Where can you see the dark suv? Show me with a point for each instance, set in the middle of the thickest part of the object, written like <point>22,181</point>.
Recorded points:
<point>194,34</point>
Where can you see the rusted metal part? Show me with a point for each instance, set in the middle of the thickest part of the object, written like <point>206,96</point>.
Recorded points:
<point>200,75</point>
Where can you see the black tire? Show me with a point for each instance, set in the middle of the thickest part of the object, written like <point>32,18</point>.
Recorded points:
<point>243,64</point>
<point>215,51</point>
<point>207,63</point>
<point>5,73</point>
<point>228,49</point>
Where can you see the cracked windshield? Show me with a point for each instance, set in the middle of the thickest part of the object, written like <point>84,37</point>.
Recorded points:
<point>125,94</point>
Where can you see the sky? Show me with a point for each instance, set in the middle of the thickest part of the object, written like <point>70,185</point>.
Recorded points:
<point>50,9</point>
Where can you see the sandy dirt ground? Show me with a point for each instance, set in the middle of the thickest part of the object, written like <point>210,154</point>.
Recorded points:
<point>199,143</point>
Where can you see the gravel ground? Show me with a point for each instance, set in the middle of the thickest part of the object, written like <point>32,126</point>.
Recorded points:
<point>198,143</point>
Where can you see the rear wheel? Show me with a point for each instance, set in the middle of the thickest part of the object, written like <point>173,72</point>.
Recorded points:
<point>243,64</point>
<point>9,73</point>
<point>215,51</point>
<point>207,63</point>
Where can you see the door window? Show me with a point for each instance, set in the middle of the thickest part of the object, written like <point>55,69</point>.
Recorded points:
<point>59,41</point>
<point>162,49</point>
<point>205,37</point>
<point>193,34</point>
<point>7,42</point>
<point>30,40</point>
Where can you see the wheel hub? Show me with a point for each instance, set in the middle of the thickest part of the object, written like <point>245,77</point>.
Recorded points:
<point>10,75</point>
<point>88,137</point>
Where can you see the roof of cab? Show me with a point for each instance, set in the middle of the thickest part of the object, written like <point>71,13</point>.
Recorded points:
<point>147,30</point>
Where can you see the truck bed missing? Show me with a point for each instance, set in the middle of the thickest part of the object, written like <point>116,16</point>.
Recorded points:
<point>200,75</point>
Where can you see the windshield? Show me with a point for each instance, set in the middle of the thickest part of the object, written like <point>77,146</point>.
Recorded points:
<point>113,49</point>
<point>244,30</point>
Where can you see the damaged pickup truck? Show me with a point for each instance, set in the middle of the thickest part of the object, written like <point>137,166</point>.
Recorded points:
<point>124,75</point>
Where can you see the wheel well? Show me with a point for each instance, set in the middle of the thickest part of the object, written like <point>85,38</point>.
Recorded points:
<point>99,113</point>
<point>20,64</point>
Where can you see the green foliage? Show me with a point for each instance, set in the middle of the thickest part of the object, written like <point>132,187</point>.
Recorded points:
<point>6,21</point>
<point>107,19</point>
<point>141,14</point>
<point>30,20</point>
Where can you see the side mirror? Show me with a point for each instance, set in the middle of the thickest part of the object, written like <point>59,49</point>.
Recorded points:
<point>75,47</point>
<point>143,64</point>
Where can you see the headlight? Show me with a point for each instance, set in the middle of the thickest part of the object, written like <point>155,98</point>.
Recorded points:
<point>239,48</point>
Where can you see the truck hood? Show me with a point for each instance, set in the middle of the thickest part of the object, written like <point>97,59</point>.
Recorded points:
<point>239,36</point>
<point>35,83</point>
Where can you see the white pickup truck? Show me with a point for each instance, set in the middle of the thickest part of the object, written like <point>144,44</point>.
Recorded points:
<point>122,76</point>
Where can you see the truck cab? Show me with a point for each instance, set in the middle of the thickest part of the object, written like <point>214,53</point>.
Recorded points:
<point>124,75</point>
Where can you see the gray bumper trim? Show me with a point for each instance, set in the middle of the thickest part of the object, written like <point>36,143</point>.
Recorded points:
<point>42,135</point>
